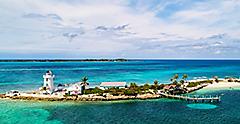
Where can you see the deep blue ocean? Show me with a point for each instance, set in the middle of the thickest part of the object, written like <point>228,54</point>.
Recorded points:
<point>28,76</point>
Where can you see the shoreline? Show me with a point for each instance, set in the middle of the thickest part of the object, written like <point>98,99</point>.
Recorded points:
<point>90,97</point>
<point>133,92</point>
<point>80,98</point>
<point>222,85</point>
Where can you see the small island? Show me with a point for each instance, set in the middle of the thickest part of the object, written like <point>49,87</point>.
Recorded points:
<point>64,60</point>
<point>109,91</point>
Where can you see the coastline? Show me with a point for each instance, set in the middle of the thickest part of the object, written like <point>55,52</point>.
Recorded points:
<point>222,85</point>
<point>36,97</point>
<point>95,97</point>
<point>112,91</point>
<point>92,97</point>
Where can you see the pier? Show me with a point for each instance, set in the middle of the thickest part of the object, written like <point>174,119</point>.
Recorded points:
<point>193,98</point>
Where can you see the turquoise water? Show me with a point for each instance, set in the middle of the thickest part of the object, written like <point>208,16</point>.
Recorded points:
<point>202,106</point>
<point>28,76</point>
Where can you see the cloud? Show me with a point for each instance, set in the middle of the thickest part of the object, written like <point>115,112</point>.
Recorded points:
<point>131,28</point>
<point>121,27</point>
<point>40,16</point>
<point>113,28</point>
<point>54,16</point>
<point>102,28</point>
<point>115,32</point>
<point>33,15</point>
<point>217,36</point>
<point>70,36</point>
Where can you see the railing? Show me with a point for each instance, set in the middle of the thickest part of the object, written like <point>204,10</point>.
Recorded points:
<point>195,98</point>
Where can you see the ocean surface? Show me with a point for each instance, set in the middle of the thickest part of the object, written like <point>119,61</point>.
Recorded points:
<point>28,76</point>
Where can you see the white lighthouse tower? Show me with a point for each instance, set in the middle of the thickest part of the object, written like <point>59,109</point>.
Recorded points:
<point>48,80</point>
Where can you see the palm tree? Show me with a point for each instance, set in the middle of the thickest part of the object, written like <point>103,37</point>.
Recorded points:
<point>84,79</point>
<point>175,82</point>
<point>84,83</point>
<point>184,77</point>
<point>182,81</point>
<point>133,85</point>
<point>155,85</point>
<point>174,78</point>
<point>146,87</point>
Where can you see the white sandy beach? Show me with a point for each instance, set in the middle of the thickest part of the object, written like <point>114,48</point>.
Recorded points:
<point>223,85</point>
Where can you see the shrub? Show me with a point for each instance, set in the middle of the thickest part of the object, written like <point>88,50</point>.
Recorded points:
<point>95,90</point>
<point>193,84</point>
<point>129,92</point>
<point>161,86</point>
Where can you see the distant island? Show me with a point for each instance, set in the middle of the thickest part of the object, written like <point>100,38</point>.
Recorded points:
<point>63,60</point>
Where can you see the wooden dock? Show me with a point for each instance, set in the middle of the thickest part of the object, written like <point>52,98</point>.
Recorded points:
<point>193,98</point>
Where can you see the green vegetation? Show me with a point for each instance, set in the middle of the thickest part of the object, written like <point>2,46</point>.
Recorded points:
<point>175,78</point>
<point>95,90</point>
<point>132,90</point>
<point>231,79</point>
<point>194,84</point>
<point>84,84</point>
<point>184,78</point>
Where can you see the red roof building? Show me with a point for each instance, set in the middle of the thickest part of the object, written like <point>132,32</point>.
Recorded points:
<point>169,87</point>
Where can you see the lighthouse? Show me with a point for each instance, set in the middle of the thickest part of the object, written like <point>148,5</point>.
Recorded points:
<point>48,81</point>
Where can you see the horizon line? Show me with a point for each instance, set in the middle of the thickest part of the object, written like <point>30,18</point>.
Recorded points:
<point>2,59</point>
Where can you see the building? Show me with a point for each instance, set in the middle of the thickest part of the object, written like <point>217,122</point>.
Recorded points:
<point>48,81</point>
<point>174,89</point>
<point>113,84</point>
<point>169,87</point>
<point>74,89</point>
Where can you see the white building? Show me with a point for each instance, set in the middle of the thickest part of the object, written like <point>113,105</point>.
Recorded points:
<point>113,84</point>
<point>75,89</point>
<point>48,81</point>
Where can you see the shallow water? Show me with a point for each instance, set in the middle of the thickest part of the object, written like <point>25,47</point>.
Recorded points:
<point>201,106</point>
<point>122,112</point>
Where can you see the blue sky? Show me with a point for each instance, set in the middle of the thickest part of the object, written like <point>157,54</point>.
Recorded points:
<point>120,29</point>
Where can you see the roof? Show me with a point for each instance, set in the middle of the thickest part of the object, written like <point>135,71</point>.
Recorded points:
<point>169,86</point>
<point>113,84</point>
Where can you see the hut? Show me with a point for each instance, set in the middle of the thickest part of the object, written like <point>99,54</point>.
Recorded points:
<point>169,87</point>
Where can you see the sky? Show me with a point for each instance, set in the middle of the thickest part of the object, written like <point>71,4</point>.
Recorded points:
<point>119,29</point>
